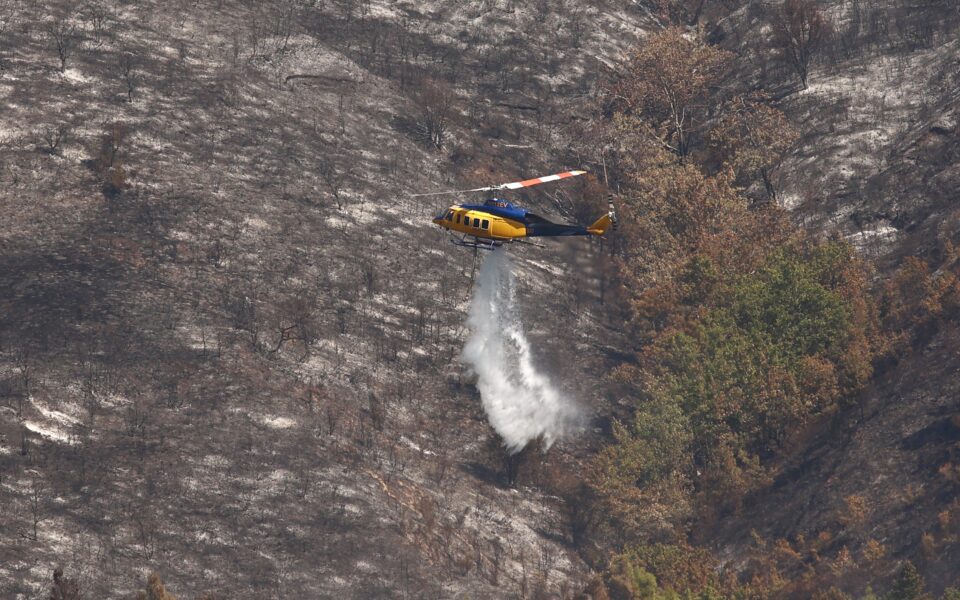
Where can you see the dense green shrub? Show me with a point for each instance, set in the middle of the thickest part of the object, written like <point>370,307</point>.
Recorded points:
<point>767,351</point>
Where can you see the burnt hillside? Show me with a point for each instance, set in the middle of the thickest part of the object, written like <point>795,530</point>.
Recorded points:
<point>878,157</point>
<point>230,338</point>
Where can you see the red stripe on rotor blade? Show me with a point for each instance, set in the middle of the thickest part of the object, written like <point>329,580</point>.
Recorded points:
<point>529,182</point>
<point>544,179</point>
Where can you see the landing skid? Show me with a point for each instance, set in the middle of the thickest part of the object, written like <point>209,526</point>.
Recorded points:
<point>529,243</point>
<point>469,241</point>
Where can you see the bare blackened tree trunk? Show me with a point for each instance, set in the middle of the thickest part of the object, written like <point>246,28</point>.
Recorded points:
<point>53,138</point>
<point>696,12</point>
<point>6,15</point>
<point>63,34</point>
<point>334,176</point>
<point>36,502</point>
<point>436,110</point>
<point>282,23</point>
<point>97,15</point>
<point>126,64</point>
<point>24,365</point>
<point>64,588</point>
<point>687,12</point>
<point>800,28</point>
<point>109,163</point>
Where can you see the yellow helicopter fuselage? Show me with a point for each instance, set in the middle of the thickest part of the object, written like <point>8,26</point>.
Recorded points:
<point>497,221</point>
<point>481,224</point>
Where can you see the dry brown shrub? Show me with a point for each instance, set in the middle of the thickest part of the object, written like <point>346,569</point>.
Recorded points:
<point>155,590</point>
<point>874,551</point>
<point>843,561</point>
<point>928,546</point>
<point>665,91</point>
<point>949,471</point>
<point>855,511</point>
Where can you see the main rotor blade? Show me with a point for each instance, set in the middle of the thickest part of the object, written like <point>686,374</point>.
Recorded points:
<point>483,189</point>
<point>509,186</point>
<point>538,180</point>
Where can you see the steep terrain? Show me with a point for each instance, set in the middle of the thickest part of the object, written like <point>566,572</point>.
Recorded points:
<point>878,165</point>
<point>885,475</point>
<point>878,160</point>
<point>230,338</point>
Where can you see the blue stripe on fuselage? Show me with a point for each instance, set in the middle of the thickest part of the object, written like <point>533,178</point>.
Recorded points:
<point>536,225</point>
<point>508,212</point>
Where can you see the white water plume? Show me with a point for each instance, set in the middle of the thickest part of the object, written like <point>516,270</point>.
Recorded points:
<point>521,402</point>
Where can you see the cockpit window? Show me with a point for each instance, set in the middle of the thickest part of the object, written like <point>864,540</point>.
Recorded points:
<point>450,216</point>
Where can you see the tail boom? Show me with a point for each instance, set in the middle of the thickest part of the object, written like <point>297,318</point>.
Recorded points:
<point>601,225</point>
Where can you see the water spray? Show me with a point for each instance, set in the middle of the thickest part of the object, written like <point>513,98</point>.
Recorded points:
<point>520,401</point>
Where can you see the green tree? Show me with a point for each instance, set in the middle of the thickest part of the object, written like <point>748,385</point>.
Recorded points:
<point>664,572</point>
<point>908,585</point>
<point>742,372</point>
<point>752,356</point>
<point>644,476</point>
<point>631,581</point>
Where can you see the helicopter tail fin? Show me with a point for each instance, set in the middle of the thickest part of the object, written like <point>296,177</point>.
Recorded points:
<point>601,225</point>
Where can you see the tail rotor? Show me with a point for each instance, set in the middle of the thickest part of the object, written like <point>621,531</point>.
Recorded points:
<point>612,213</point>
<point>606,222</point>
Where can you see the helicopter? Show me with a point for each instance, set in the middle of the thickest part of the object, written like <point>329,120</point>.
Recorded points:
<point>489,225</point>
